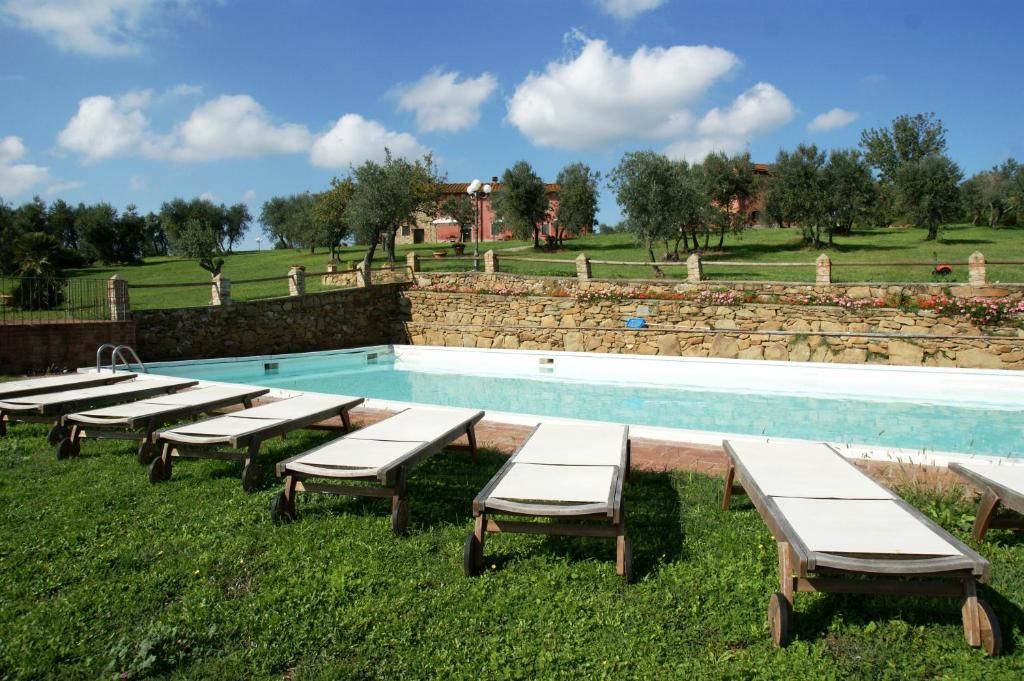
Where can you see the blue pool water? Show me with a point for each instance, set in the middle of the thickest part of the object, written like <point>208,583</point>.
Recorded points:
<point>991,430</point>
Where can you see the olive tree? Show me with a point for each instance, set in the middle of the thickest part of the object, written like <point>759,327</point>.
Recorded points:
<point>730,181</point>
<point>577,199</point>
<point>330,214</point>
<point>849,190</point>
<point>797,190</point>
<point>459,208</point>
<point>643,183</point>
<point>521,202</point>
<point>929,191</point>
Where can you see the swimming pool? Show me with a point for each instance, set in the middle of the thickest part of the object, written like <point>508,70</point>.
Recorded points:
<point>907,408</point>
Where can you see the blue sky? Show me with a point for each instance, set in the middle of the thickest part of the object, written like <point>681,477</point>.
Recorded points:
<point>138,101</point>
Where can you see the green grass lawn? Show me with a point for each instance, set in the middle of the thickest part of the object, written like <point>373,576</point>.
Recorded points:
<point>103,575</point>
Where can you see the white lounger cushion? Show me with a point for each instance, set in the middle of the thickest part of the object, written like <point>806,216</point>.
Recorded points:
<point>347,452</point>
<point>126,388</point>
<point>598,444</point>
<point>806,470</point>
<point>296,407</point>
<point>537,482</point>
<point>162,403</point>
<point>862,526</point>
<point>49,382</point>
<point>418,424</point>
<point>1008,475</point>
<point>222,426</point>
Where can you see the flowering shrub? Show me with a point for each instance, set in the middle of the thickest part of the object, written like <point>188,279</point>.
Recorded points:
<point>982,311</point>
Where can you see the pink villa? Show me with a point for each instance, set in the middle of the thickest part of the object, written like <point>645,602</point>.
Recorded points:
<point>443,228</point>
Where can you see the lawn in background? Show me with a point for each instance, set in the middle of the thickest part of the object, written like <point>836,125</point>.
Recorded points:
<point>103,575</point>
<point>877,246</point>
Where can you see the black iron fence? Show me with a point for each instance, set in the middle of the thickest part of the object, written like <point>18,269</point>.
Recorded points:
<point>52,299</point>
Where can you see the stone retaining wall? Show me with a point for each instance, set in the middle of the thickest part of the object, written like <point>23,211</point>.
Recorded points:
<point>58,346</point>
<point>314,321</point>
<point>678,327</point>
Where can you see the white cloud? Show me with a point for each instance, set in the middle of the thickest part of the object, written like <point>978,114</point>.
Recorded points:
<point>183,90</point>
<point>20,178</point>
<point>830,120</point>
<point>104,128</point>
<point>249,196</point>
<point>208,196</point>
<point>442,102</point>
<point>599,98</point>
<point>627,9</point>
<point>105,28</point>
<point>235,126</point>
<point>230,126</point>
<point>354,139</point>
<point>758,111</point>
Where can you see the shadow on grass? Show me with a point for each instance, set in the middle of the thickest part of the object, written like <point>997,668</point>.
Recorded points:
<point>961,242</point>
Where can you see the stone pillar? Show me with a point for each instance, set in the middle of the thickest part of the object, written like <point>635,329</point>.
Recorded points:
<point>823,270</point>
<point>976,269</point>
<point>220,291</point>
<point>582,267</point>
<point>297,280</point>
<point>332,267</point>
<point>363,275</point>
<point>117,299</point>
<point>490,262</point>
<point>694,268</point>
<point>412,262</point>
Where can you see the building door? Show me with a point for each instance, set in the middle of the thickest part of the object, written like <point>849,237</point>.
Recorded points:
<point>417,236</point>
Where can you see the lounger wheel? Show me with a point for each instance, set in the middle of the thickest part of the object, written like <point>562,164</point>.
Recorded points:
<point>158,472</point>
<point>780,619</point>
<point>56,433</point>
<point>991,634</point>
<point>250,477</point>
<point>400,517</point>
<point>472,556</point>
<point>67,448</point>
<point>146,452</point>
<point>279,511</point>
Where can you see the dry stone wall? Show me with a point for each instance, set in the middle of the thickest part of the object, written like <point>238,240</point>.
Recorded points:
<point>314,321</point>
<point>770,331</point>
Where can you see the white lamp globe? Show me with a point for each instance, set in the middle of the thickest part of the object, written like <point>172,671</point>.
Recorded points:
<point>487,189</point>
<point>473,187</point>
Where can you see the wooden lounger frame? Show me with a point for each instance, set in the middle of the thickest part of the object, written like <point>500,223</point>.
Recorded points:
<point>804,570</point>
<point>141,429</point>
<point>54,413</point>
<point>613,510</point>
<point>993,496</point>
<point>243,447</point>
<point>390,479</point>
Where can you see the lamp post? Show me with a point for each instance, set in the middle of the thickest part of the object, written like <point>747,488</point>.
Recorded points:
<point>479,192</point>
<point>258,241</point>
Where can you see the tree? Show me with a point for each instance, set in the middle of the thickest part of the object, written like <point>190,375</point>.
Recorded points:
<point>197,241</point>
<point>236,224</point>
<point>910,139</point>
<point>156,239</point>
<point>522,201</point>
<point>797,190</point>
<point>849,190</point>
<point>7,238</point>
<point>97,228</point>
<point>577,199</point>
<point>30,217</point>
<point>176,214</point>
<point>929,191</point>
<point>730,182</point>
<point>972,200</point>
<point>130,235</point>
<point>460,209</point>
<point>275,217</point>
<point>994,190</point>
<point>691,207</point>
<point>330,213</point>
<point>60,222</point>
<point>643,185</point>
<point>42,283</point>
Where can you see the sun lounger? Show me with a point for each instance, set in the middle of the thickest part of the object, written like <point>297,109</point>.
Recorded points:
<point>839,531</point>
<point>384,452</point>
<point>560,472</point>
<point>52,384</point>
<point>246,431</point>
<point>140,420</point>
<point>1001,485</point>
<point>52,407</point>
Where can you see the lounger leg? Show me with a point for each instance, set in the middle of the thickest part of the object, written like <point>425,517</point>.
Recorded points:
<point>289,494</point>
<point>250,471</point>
<point>986,512</point>
<point>346,422</point>
<point>629,458</point>
<point>480,530</point>
<point>3,423</point>
<point>471,436</point>
<point>786,579</point>
<point>730,475</point>
<point>399,506</point>
<point>970,612</point>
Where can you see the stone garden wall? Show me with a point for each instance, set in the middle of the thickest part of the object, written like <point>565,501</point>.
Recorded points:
<point>314,321</point>
<point>565,314</point>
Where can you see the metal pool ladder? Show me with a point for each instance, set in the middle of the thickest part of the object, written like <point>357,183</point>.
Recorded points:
<point>117,355</point>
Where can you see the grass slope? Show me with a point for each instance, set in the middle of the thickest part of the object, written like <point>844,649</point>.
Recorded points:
<point>877,246</point>
<point>104,576</point>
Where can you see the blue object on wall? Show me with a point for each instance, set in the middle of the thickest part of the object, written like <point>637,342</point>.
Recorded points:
<point>636,323</point>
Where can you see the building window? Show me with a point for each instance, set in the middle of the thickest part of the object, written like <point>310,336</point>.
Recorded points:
<point>405,230</point>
